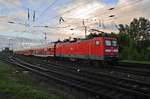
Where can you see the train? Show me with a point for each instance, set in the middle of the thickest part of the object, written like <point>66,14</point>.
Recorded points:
<point>96,49</point>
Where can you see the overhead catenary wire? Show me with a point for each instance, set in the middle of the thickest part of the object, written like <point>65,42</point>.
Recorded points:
<point>115,18</point>
<point>62,13</point>
<point>132,3</point>
<point>44,11</point>
<point>53,5</point>
<point>108,20</point>
<point>20,7</point>
<point>136,1</point>
<point>104,13</point>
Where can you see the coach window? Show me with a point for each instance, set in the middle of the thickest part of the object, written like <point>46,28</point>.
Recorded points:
<point>52,49</point>
<point>49,49</point>
<point>97,43</point>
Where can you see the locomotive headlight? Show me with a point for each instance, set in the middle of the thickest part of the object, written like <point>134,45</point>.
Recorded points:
<point>116,50</point>
<point>107,50</point>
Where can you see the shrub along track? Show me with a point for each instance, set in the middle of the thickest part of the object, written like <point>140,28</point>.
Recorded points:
<point>103,83</point>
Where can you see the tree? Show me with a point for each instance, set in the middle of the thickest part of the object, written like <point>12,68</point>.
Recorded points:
<point>144,28</point>
<point>139,29</point>
<point>134,28</point>
<point>134,39</point>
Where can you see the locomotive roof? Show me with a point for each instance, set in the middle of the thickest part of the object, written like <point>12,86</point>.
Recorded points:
<point>83,39</point>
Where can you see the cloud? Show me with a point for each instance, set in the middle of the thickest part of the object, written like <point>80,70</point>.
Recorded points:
<point>73,13</point>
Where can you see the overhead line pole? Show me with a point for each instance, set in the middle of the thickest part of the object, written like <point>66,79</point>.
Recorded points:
<point>28,14</point>
<point>85,27</point>
<point>34,16</point>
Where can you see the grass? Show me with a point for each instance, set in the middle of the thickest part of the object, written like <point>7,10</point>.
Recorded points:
<point>134,61</point>
<point>12,85</point>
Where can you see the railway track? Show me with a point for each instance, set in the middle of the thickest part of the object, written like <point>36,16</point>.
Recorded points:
<point>115,87</point>
<point>69,80</point>
<point>105,77</point>
<point>135,65</point>
<point>132,72</point>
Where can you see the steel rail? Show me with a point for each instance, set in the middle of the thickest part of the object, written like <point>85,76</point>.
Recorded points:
<point>125,89</point>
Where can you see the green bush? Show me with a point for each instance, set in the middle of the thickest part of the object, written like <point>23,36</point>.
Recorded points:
<point>132,51</point>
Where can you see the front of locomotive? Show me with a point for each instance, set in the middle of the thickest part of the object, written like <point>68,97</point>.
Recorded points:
<point>111,49</point>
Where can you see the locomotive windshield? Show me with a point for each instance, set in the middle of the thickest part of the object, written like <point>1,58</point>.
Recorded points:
<point>110,42</point>
<point>114,43</point>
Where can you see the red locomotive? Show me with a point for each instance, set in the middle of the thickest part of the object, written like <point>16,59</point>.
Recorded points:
<point>98,49</point>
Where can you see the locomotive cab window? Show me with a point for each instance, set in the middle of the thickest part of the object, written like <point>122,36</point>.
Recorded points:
<point>108,42</point>
<point>114,43</point>
<point>97,43</point>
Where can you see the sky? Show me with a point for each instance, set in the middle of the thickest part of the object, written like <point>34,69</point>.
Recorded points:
<point>15,26</point>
